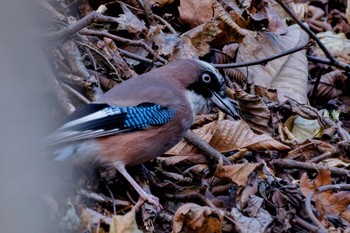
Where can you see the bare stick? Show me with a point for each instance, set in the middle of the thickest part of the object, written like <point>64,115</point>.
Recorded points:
<point>337,187</point>
<point>311,34</point>
<point>288,163</point>
<point>125,41</point>
<point>262,61</point>
<point>205,147</point>
<point>79,25</point>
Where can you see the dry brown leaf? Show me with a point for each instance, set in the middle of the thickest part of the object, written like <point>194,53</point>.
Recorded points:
<point>237,173</point>
<point>227,136</point>
<point>201,35</point>
<point>128,21</point>
<point>327,202</point>
<point>264,92</point>
<point>233,135</point>
<point>261,11</point>
<point>288,74</point>
<point>166,43</point>
<point>160,3</point>
<point>338,44</point>
<point>252,224</point>
<point>330,86</point>
<point>184,50</point>
<point>195,12</point>
<point>193,217</point>
<point>254,110</point>
<point>124,223</point>
<point>311,148</point>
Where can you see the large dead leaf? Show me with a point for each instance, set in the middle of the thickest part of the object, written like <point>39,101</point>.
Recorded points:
<point>254,110</point>
<point>328,202</point>
<point>237,173</point>
<point>302,128</point>
<point>201,35</point>
<point>195,12</point>
<point>128,21</point>
<point>193,218</point>
<point>254,223</point>
<point>263,15</point>
<point>194,43</point>
<point>288,74</point>
<point>330,86</point>
<point>228,136</point>
<point>124,223</point>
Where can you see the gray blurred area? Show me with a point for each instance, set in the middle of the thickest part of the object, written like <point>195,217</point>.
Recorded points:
<point>24,118</point>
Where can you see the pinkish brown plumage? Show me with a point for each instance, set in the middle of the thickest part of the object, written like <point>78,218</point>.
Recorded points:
<point>165,100</point>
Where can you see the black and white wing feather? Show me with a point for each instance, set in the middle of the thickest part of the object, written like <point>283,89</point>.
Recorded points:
<point>100,120</point>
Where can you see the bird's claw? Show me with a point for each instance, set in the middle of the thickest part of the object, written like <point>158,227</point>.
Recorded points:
<point>150,199</point>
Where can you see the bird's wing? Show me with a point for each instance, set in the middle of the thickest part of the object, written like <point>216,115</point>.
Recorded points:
<point>99,120</point>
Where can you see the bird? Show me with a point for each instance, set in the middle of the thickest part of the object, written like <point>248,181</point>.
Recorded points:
<point>141,118</point>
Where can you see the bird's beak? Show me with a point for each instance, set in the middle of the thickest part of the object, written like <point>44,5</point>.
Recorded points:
<point>225,105</point>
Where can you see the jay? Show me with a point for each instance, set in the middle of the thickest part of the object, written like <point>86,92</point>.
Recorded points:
<point>142,118</point>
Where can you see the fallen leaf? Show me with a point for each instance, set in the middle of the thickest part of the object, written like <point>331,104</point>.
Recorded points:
<point>328,202</point>
<point>227,136</point>
<point>201,35</point>
<point>124,223</point>
<point>331,85</point>
<point>195,12</point>
<point>252,224</point>
<point>288,74</point>
<point>237,173</point>
<point>254,110</point>
<point>302,128</point>
<point>193,217</point>
<point>128,21</point>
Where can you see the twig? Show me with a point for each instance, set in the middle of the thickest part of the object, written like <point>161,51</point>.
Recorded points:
<point>79,25</point>
<point>288,164</point>
<point>261,61</point>
<point>323,60</point>
<point>102,56</point>
<point>171,29</point>
<point>101,198</point>
<point>205,147</point>
<point>311,34</point>
<point>309,227</point>
<point>138,58</point>
<point>77,94</point>
<point>125,41</point>
<point>336,187</point>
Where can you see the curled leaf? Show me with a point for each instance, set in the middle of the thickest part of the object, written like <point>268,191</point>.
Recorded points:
<point>193,217</point>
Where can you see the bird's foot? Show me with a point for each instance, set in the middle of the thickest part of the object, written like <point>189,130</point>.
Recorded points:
<point>150,199</point>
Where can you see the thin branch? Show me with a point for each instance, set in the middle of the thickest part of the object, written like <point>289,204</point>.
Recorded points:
<point>310,214</point>
<point>163,21</point>
<point>102,56</point>
<point>205,147</point>
<point>288,164</point>
<point>336,187</point>
<point>77,94</point>
<point>87,20</point>
<point>323,60</point>
<point>125,41</point>
<point>261,61</point>
<point>311,34</point>
<point>138,58</point>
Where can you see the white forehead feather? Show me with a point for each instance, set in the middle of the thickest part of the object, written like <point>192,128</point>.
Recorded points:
<point>211,69</point>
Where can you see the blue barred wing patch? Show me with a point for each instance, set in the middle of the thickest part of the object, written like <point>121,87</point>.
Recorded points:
<point>99,120</point>
<point>142,116</point>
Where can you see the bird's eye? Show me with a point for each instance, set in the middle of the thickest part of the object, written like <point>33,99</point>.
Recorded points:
<point>206,78</point>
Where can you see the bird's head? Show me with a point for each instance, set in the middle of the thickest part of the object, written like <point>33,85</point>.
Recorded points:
<point>205,86</point>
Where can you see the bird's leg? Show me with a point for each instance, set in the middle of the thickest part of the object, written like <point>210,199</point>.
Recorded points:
<point>143,195</point>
